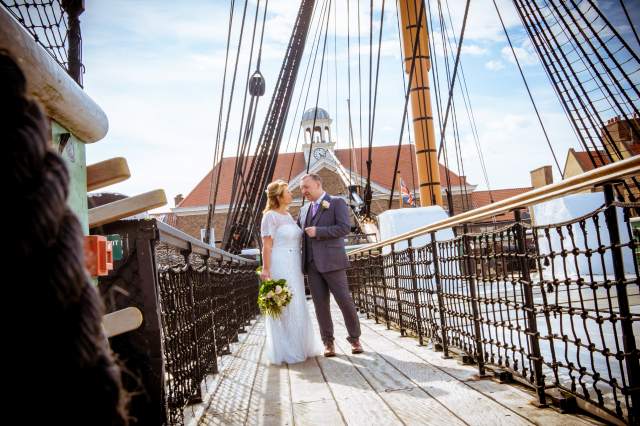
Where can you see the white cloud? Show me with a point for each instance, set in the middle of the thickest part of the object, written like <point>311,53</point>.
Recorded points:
<point>525,54</point>
<point>494,65</point>
<point>475,50</point>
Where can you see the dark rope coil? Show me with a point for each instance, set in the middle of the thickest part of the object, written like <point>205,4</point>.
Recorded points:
<point>57,340</point>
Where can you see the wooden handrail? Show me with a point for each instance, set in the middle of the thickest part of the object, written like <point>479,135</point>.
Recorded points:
<point>616,171</point>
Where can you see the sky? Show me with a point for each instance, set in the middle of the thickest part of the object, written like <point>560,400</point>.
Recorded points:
<point>157,67</point>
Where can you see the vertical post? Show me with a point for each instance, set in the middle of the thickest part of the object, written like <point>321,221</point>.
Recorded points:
<point>470,272</point>
<point>197,398</point>
<point>420,94</point>
<point>532,330</point>
<point>213,369</point>
<point>363,279</point>
<point>373,288</point>
<point>416,299</point>
<point>155,387</point>
<point>399,191</point>
<point>73,9</point>
<point>383,280</point>
<point>397,284</point>
<point>436,275</point>
<point>628,339</point>
<point>227,296</point>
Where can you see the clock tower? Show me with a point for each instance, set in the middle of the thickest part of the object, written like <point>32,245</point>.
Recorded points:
<point>320,135</point>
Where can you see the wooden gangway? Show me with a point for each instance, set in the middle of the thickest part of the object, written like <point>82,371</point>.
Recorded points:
<point>394,382</point>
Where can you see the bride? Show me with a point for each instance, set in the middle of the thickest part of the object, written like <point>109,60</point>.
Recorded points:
<point>290,338</point>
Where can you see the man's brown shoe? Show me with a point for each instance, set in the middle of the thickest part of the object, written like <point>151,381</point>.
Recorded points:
<point>356,348</point>
<point>329,351</point>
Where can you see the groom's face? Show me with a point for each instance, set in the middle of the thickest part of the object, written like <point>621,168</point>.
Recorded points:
<point>311,189</point>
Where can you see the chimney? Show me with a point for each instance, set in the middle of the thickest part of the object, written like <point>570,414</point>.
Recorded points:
<point>541,177</point>
<point>178,199</point>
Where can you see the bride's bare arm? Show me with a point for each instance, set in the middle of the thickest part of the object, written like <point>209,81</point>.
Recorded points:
<point>267,245</point>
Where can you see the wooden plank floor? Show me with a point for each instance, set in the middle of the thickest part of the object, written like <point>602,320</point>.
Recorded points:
<point>394,382</point>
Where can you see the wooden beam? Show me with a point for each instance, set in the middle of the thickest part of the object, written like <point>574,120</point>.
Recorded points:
<point>616,171</point>
<point>121,321</point>
<point>127,207</point>
<point>107,173</point>
<point>62,98</point>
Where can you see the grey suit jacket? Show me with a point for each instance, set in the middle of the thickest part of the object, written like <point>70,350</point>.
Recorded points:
<point>332,225</point>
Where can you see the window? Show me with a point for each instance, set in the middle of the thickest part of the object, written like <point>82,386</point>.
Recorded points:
<point>212,238</point>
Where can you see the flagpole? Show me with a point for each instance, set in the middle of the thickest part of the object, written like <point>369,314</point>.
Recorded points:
<point>399,190</point>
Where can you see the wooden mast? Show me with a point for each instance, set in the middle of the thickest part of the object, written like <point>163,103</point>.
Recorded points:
<point>426,149</point>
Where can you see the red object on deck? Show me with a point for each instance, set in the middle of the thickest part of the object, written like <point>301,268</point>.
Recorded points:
<point>98,255</point>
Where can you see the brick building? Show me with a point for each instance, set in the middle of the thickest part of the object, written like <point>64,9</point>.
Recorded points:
<point>621,143</point>
<point>191,211</point>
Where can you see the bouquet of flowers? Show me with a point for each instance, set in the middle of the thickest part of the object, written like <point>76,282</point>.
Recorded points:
<point>273,296</point>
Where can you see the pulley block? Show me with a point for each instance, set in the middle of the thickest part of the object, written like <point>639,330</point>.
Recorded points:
<point>256,84</point>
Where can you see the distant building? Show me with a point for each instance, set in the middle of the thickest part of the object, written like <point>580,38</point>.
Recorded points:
<point>192,211</point>
<point>621,143</point>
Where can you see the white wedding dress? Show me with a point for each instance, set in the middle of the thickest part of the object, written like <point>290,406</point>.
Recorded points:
<point>291,338</point>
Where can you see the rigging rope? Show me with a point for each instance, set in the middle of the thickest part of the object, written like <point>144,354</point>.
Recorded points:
<point>315,114</point>
<point>527,86</point>
<point>216,149</point>
<point>367,192</point>
<point>453,80</point>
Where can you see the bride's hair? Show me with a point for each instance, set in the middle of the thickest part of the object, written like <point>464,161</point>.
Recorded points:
<point>274,190</point>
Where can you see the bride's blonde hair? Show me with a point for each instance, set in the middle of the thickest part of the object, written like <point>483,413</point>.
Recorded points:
<point>274,190</point>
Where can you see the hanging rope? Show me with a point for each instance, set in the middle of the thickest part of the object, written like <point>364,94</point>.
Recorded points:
<point>367,192</point>
<point>315,113</point>
<point>527,86</point>
<point>453,80</point>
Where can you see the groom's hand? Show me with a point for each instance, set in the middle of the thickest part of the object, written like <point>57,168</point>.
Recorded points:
<point>311,231</point>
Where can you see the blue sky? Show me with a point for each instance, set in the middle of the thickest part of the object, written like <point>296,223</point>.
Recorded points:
<point>156,68</point>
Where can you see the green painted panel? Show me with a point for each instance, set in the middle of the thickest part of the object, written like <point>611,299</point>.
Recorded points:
<point>74,156</point>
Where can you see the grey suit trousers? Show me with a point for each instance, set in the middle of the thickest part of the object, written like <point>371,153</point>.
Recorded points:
<point>320,284</point>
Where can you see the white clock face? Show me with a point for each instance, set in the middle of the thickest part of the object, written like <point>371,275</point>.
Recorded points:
<point>319,153</point>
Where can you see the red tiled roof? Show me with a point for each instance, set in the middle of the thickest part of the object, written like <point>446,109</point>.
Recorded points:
<point>169,218</point>
<point>483,198</point>
<point>586,159</point>
<point>598,156</point>
<point>383,164</point>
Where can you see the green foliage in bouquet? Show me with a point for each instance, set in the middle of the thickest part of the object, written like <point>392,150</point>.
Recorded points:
<point>273,296</point>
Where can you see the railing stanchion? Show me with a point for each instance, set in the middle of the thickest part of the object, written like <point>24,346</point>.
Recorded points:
<point>383,281</point>
<point>374,293</point>
<point>436,276</point>
<point>532,326</point>
<point>416,299</point>
<point>470,272</point>
<point>197,398</point>
<point>626,324</point>
<point>397,285</point>
<point>213,369</point>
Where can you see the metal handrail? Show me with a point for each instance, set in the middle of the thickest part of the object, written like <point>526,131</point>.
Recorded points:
<point>171,236</point>
<point>616,171</point>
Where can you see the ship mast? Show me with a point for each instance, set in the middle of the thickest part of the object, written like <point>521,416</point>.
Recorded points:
<point>426,150</point>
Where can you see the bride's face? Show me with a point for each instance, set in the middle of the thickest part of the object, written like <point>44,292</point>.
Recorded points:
<point>285,198</point>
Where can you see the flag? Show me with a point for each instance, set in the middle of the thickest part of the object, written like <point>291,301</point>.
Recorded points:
<point>406,195</point>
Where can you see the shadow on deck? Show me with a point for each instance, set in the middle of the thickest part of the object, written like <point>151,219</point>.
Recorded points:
<point>395,382</point>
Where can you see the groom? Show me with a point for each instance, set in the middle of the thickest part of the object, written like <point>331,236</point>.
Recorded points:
<point>325,221</point>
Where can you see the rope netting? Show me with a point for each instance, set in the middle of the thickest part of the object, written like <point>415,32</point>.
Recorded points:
<point>46,22</point>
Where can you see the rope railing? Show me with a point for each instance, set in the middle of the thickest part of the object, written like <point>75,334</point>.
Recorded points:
<point>195,299</point>
<point>612,172</point>
<point>552,306</point>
